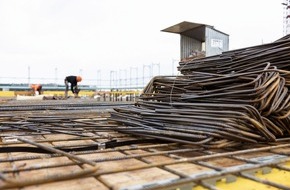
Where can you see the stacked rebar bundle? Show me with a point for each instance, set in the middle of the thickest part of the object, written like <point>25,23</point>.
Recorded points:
<point>238,96</point>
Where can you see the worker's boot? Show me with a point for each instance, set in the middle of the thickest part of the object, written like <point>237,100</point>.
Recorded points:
<point>76,95</point>
<point>65,95</point>
<point>77,90</point>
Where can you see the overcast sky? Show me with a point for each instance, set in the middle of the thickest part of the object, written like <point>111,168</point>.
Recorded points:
<point>55,38</point>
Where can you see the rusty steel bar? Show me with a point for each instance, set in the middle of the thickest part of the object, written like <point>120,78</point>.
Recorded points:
<point>54,150</point>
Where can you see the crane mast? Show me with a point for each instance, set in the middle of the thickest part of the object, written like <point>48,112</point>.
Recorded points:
<point>286,17</point>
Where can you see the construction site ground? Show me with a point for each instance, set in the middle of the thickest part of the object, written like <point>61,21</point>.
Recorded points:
<point>72,144</point>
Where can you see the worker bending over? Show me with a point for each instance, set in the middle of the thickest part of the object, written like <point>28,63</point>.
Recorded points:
<point>73,80</point>
<point>37,89</point>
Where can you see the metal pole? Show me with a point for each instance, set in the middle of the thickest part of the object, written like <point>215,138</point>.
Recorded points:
<point>130,79</point>
<point>28,75</point>
<point>144,67</point>
<point>125,78</point>
<point>98,79</point>
<point>115,79</point>
<point>111,79</point>
<point>120,78</point>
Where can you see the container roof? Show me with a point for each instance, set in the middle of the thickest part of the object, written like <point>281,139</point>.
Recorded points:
<point>182,27</point>
<point>185,26</point>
